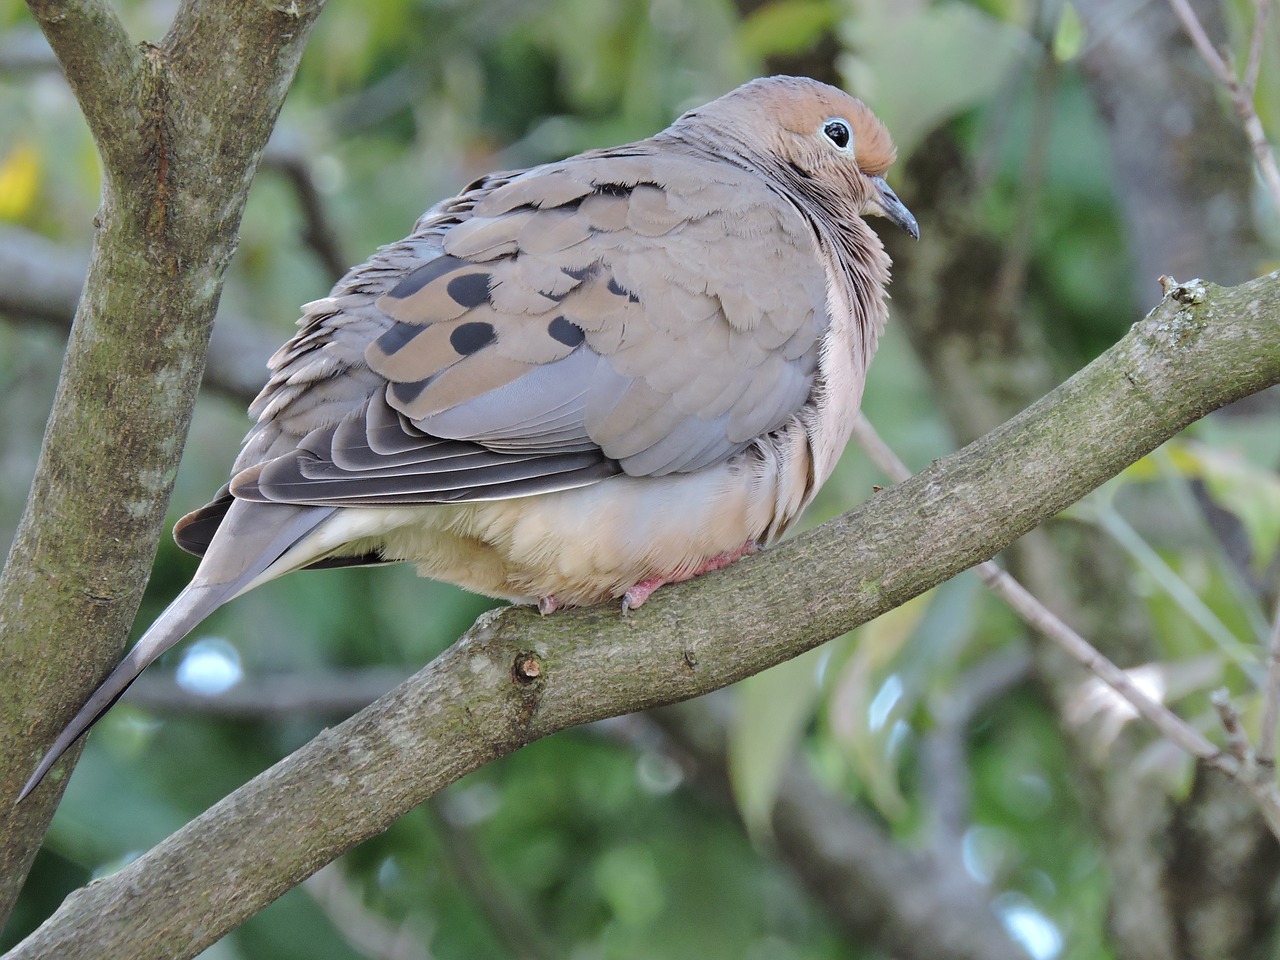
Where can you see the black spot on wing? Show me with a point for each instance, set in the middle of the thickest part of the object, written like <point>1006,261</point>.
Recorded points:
<point>470,337</point>
<point>565,332</point>
<point>621,291</point>
<point>420,277</point>
<point>395,338</point>
<point>580,273</point>
<point>406,393</point>
<point>469,290</point>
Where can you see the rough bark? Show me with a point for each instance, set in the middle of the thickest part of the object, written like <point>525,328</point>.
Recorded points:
<point>178,154</point>
<point>516,677</point>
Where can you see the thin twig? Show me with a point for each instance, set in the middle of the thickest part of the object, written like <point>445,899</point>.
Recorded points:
<point>1259,779</point>
<point>1039,617</point>
<point>1260,10</point>
<point>1229,717</point>
<point>1241,91</point>
<point>1266,753</point>
<point>1161,717</point>
<point>1195,30</point>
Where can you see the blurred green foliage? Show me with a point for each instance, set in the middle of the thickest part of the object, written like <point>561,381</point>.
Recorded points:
<point>597,839</point>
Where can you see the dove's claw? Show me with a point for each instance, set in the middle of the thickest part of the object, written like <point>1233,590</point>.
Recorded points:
<point>640,592</point>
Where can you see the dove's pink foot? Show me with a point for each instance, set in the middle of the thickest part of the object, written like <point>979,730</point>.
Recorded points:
<point>638,594</point>
<point>548,605</point>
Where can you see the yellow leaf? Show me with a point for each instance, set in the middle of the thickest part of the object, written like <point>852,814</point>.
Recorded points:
<point>19,181</point>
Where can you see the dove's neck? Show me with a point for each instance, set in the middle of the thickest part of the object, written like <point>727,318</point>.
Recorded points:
<point>857,273</point>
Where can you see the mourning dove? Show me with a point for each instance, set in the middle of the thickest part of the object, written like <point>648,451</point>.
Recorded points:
<point>575,382</point>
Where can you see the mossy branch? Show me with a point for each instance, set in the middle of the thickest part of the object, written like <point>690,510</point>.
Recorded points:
<point>516,677</point>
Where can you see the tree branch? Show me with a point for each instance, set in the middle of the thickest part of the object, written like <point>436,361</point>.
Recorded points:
<point>331,693</point>
<point>103,68</point>
<point>288,156</point>
<point>178,154</point>
<point>1202,348</point>
<point>40,280</point>
<point>1271,701</point>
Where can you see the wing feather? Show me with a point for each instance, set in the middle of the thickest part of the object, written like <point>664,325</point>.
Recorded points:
<point>636,310</point>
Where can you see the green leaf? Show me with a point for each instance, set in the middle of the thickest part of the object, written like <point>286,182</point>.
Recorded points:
<point>786,27</point>
<point>920,67</point>
<point>774,708</point>
<point>1249,491</point>
<point>866,701</point>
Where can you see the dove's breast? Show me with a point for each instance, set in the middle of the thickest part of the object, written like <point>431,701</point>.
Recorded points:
<point>857,309</point>
<point>591,543</point>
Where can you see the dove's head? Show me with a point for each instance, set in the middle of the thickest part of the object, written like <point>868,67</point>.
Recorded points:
<point>822,145</point>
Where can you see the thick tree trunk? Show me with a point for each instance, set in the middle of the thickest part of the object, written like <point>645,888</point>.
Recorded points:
<point>178,152</point>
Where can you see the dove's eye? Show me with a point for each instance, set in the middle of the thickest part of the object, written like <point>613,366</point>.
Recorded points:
<point>838,132</point>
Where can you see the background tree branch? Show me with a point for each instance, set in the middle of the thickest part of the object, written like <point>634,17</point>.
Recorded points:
<point>481,699</point>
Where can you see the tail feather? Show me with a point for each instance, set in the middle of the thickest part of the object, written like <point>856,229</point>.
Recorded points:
<point>252,538</point>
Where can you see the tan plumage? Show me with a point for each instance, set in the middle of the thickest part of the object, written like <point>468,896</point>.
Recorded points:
<point>575,382</point>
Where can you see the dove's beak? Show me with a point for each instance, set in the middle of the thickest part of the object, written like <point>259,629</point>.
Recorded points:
<point>887,205</point>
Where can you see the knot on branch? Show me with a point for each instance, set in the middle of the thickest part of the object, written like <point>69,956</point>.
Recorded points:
<point>527,667</point>
<point>1191,292</point>
<point>1182,325</point>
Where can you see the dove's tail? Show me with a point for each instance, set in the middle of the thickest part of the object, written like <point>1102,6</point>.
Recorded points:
<point>251,540</point>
